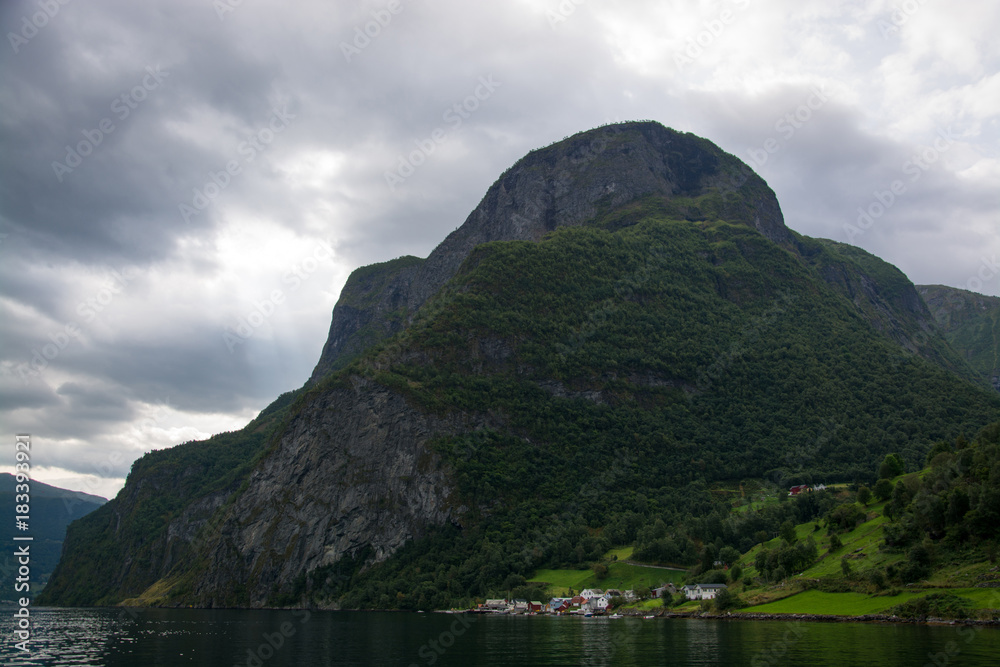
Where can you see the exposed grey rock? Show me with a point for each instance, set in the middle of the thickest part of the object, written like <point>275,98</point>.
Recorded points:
<point>566,184</point>
<point>352,471</point>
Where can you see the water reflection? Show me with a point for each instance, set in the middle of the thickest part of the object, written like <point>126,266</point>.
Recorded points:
<point>114,638</point>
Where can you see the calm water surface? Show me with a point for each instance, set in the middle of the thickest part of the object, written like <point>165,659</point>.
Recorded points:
<point>169,637</point>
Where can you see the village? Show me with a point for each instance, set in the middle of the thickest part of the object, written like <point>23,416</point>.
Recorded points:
<point>593,601</point>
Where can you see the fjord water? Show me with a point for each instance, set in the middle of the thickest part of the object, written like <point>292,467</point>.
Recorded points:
<point>254,638</point>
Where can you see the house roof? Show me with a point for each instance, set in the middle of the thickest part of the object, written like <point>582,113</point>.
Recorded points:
<point>712,586</point>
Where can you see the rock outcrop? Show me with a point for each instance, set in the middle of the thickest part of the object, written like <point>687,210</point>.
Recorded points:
<point>565,184</point>
<point>351,473</point>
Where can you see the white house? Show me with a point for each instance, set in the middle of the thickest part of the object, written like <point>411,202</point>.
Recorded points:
<point>703,591</point>
<point>588,593</point>
<point>595,604</point>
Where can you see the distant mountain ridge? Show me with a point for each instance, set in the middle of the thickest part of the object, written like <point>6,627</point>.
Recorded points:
<point>42,490</point>
<point>623,321</point>
<point>52,510</point>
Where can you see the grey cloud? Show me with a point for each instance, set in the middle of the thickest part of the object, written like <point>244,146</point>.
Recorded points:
<point>226,78</point>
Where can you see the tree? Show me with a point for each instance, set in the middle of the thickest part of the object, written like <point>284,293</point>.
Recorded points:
<point>760,561</point>
<point>735,573</point>
<point>726,599</point>
<point>845,566</point>
<point>892,466</point>
<point>600,571</point>
<point>941,447</point>
<point>864,495</point>
<point>788,532</point>
<point>728,555</point>
<point>883,489</point>
<point>835,543</point>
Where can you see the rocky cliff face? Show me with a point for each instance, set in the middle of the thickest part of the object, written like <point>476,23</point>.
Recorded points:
<point>351,474</point>
<point>568,183</point>
<point>372,306</point>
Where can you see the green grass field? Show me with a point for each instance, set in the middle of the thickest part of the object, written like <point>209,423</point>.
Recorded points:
<point>857,604</point>
<point>841,604</point>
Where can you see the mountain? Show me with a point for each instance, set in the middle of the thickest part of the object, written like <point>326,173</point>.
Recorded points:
<point>622,324</point>
<point>52,509</point>
<point>970,322</point>
<point>564,185</point>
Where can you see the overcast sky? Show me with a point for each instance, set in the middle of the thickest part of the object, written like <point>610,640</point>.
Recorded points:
<point>172,167</point>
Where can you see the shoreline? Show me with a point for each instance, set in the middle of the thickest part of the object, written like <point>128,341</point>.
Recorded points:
<point>624,613</point>
<point>826,618</point>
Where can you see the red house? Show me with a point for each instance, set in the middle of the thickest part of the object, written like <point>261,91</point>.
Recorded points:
<point>796,490</point>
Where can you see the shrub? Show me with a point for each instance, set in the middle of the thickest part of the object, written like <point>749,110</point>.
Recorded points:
<point>883,489</point>
<point>726,599</point>
<point>940,605</point>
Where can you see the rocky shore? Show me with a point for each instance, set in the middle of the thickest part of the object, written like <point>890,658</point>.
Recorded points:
<point>817,618</point>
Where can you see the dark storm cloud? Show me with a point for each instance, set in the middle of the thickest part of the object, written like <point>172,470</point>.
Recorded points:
<point>200,85</point>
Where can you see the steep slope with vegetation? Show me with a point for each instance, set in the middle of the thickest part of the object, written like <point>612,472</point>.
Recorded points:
<point>157,524</point>
<point>970,322</point>
<point>651,337</point>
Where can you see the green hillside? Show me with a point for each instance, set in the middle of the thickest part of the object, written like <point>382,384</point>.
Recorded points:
<point>933,533</point>
<point>631,369</point>
<point>971,324</point>
<point>661,352</point>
